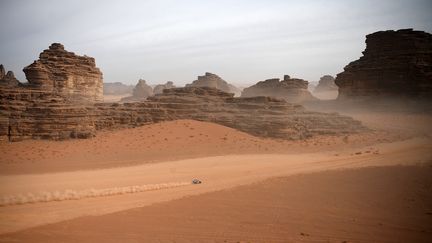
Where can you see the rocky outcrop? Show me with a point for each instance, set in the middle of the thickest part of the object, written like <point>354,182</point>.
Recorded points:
<point>394,64</point>
<point>293,90</point>
<point>66,74</point>
<point>213,81</point>
<point>7,78</point>
<point>52,106</point>
<point>141,91</point>
<point>31,113</point>
<point>117,88</point>
<point>158,89</point>
<point>325,84</point>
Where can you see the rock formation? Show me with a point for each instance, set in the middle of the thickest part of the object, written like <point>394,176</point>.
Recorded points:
<point>117,88</point>
<point>64,73</point>
<point>7,79</point>
<point>141,91</point>
<point>394,64</point>
<point>213,81</point>
<point>158,89</point>
<point>31,113</point>
<point>44,109</point>
<point>326,83</point>
<point>292,90</point>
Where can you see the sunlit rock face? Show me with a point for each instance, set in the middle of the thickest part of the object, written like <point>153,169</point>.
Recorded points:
<point>293,90</point>
<point>394,64</point>
<point>66,74</point>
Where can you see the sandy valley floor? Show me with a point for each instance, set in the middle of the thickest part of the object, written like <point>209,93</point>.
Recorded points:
<point>134,185</point>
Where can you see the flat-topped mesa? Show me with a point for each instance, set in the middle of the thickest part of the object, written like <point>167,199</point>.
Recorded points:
<point>394,64</point>
<point>213,81</point>
<point>7,79</point>
<point>158,89</point>
<point>293,90</point>
<point>326,83</point>
<point>71,76</point>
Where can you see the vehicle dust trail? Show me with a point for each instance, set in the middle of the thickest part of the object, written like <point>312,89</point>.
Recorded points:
<point>217,173</point>
<point>88,193</point>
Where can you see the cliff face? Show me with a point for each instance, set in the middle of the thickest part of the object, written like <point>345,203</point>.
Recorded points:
<point>60,102</point>
<point>66,74</point>
<point>31,113</point>
<point>395,63</point>
<point>292,90</point>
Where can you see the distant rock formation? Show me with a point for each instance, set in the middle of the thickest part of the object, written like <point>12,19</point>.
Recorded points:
<point>141,92</point>
<point>7,79</point>
<point>117,88</point>
<point>326,83</point>
<point>394,64</point>
<point>52,107</point>
<point>158,89</point>
<point>293,90</point>
<point>213,81</point>
<point>69,75</point>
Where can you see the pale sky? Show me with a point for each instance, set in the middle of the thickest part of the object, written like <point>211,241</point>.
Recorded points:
<point>243,41</point>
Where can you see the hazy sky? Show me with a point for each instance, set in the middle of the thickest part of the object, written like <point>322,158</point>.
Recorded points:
<point>242,41</point>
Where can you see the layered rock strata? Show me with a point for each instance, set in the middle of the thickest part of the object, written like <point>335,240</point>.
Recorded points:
<point>38,114</point>
<point>66,74</point>
<point>293,90</point>
<point>394,64</point>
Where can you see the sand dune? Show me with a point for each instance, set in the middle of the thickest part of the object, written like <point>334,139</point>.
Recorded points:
<point>46,182</point>
<point>165,141</point>
<point>375,204</point>
<point>220,172</point>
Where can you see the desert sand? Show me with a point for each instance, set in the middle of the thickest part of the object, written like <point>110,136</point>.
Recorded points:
<point>253,189</point>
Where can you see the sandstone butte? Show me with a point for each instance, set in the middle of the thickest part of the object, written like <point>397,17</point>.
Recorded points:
<point>292,90</point>
<point>326,83</point>
<point>394,64</point>
<point>213,81</point>
<point>61,101</point>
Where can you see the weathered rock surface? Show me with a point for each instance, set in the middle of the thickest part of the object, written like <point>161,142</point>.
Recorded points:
<point>158,89</point>
<point>293,90</point>
<point>326,83</point>
<point>7,78</point>
<point>117,88</point>
<point>52,106</point>
<point>64,73</point>
<point>394,64</point>
<point>213,81</point>
<point>141,91</point>
<point>28,113</point>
